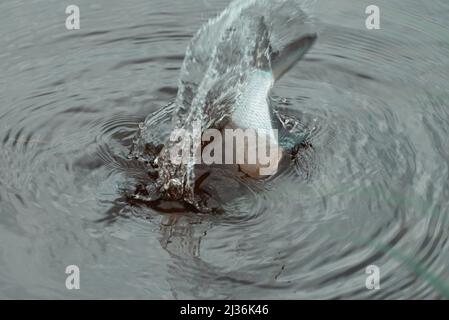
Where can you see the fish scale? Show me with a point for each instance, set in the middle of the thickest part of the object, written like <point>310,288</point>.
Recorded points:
<point>252,109</point>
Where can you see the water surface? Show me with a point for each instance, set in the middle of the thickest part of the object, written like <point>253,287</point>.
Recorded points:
<point>372,190</point>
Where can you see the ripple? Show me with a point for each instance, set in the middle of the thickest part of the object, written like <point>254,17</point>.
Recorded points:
<point>371,188</point>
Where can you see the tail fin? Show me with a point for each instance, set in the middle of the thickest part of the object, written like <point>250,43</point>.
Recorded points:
<point>280,61</point>
<point>284,60</point>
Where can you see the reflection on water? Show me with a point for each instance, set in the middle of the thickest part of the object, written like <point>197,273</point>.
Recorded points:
<point>371,189</point>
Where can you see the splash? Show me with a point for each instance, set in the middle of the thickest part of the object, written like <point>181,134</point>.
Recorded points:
<point>214,73</point>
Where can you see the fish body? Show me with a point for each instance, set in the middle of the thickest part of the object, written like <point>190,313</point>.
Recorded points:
<point>252,109</point>
<point>225,87</point>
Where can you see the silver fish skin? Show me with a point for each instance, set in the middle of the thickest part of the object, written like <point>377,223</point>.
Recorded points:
<point>252,109</point>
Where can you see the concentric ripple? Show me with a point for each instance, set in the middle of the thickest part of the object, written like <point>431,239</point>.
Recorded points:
<point>372,187</point>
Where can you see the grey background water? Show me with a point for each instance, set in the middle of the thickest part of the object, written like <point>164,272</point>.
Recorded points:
<point>374,190</point>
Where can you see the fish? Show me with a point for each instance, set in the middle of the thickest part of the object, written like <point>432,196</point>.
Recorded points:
<point>226,79</point>
<point>252,109</point>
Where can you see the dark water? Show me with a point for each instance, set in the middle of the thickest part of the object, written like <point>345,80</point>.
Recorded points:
<point>373,190</point>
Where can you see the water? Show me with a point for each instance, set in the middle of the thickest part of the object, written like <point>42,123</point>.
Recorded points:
<point>225,79</point>
<point>371,188</point>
